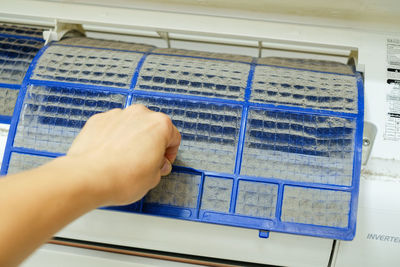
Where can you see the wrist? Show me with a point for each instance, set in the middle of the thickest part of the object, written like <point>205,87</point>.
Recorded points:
<point>80,177</point>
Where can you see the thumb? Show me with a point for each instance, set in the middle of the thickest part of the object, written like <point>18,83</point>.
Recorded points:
<point>166,168</point>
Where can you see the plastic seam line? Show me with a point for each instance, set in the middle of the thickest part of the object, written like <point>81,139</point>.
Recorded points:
<point>14,86</point>
<point>29,151</point>
<point>21,37</point>
<point>80,86</point>
<point>5,119</point>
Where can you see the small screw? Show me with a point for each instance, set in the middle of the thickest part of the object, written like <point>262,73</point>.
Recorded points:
<point>366,142</point>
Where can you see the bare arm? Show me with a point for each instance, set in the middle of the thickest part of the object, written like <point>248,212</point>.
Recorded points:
<point>116,159</point>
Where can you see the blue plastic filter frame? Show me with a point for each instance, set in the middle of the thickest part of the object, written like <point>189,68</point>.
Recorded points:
<point>262,200</point>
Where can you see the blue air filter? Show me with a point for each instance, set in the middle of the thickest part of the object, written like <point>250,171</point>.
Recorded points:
<point>269,144</point>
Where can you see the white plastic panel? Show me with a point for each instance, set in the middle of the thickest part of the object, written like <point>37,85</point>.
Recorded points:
<point>3,138</point>
<point>63,256</point>
<point>199,239</point>
<point>377,242</point>
<point>365,14</point>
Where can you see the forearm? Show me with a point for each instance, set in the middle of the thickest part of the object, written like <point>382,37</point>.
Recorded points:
<point>36,204</point>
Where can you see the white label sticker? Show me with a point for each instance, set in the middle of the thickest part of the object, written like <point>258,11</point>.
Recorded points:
<point>392,125</point>
<point>393,52</point>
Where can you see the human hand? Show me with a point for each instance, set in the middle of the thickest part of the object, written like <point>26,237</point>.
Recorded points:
<point>124,153</point>
<point>116,159</point>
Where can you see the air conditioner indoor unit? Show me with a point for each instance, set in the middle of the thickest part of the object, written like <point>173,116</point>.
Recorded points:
<point>289,114</point>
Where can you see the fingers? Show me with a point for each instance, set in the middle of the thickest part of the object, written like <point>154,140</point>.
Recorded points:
<point>137,107</point>
<point>166,168</point>
<point>172,149</point>
<point>172,135</point>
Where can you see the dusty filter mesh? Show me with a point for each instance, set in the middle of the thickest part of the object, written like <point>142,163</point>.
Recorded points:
<point>305,89</point>
<point>89,42</point>
<point>18,46</point>
<point>209,131</point>
<point>87,66</point>
<point>53,116</point>
<point>8,97</point>
<point>257,199</point>
<point>307,64</point>
<point>315,206</point>
<point>20,30</point>
<point>267,144</point>
<point>193,76</point>
<point>25,162</point>
<point>178,189</point>
<point>15,57</point>
<point>300,147</point>
<point>217,194</point>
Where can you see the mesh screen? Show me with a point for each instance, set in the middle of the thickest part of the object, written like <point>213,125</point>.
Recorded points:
<point>316,206</point>
<point>53,116</point>
<point>23,162</point>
